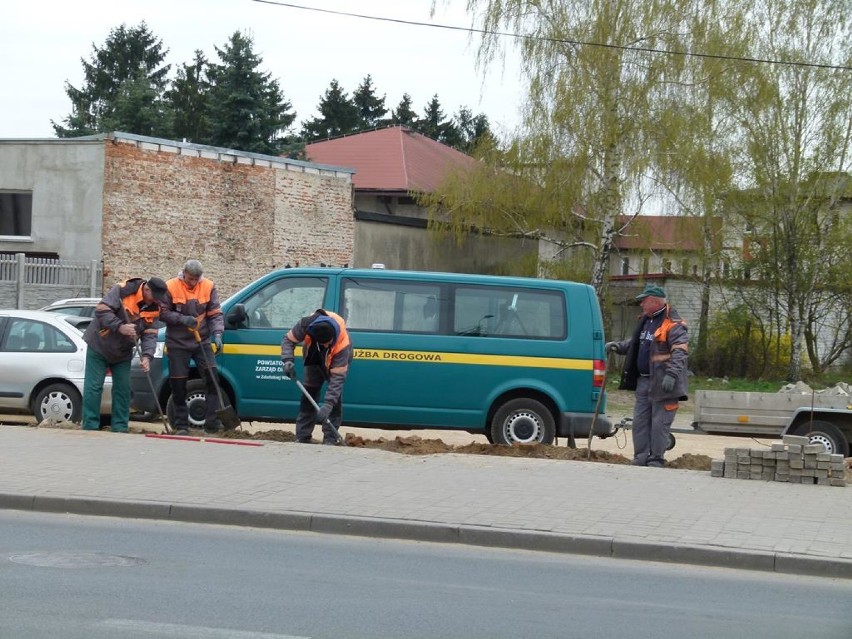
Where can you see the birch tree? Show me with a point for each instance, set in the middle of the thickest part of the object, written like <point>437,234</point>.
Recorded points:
<point>588,139</point>
<point>796,121</point>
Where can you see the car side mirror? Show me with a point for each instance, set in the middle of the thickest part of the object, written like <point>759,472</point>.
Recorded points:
<point>236,317</point>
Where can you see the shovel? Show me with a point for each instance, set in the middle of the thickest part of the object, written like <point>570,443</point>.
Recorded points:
<point>226,414</point>
<point>166,428</point>
<point>328,423</point>
<point>138,350</point>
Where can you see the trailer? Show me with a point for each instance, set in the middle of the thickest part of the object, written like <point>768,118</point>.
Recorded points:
<point>824,418</point>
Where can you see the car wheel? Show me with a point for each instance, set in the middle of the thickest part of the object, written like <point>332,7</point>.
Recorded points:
<point>196,402</point>
<point>523,421</point>
<point>825,433</point>
<point>59,402</point>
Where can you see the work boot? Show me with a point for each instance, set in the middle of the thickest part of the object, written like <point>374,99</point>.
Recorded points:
<point>303,440</point>
<point>329,442</point>
<point>213,425</point>
<point>656,463</point>
<point>181,431</point>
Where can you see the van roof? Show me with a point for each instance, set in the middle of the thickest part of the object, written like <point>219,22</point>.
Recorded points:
<point>432,275</point>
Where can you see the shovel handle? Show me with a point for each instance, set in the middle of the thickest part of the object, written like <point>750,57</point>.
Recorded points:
<point>316,407</point>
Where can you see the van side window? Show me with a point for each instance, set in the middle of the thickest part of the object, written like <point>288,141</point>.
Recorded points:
<point>500,312</point>
<point>391,306</point>
<point>280,304</point>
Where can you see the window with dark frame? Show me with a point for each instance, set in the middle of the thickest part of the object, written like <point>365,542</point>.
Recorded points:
<point>16,214</point>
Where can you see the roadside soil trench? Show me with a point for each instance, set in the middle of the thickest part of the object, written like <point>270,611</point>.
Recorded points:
<point>692,451</point>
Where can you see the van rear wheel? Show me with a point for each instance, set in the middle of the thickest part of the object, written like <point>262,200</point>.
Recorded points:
<point>523,421</point>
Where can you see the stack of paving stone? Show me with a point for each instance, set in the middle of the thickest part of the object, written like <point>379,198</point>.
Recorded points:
<point>795,460</point>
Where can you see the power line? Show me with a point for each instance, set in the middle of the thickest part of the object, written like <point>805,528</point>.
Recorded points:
<point>517,36</point>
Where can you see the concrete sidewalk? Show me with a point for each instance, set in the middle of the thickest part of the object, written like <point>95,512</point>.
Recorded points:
<point>558,506</point>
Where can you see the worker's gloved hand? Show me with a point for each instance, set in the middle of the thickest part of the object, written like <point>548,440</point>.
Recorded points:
<point>216,340</point>
<point>323,413</point>
<point>611,347</point>
<point>289,368</point>
<point>669,382</point>
<point>188,321</point>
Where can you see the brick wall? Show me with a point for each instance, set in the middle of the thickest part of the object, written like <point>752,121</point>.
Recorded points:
<point>239,214</point>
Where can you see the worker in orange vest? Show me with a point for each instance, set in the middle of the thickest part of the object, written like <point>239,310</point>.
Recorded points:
<point>326,353</point>
<point>194,327</point>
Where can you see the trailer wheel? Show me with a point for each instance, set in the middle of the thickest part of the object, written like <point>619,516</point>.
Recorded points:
<point>824,433</point>
<point>523,421</point>
<point>672,442</point>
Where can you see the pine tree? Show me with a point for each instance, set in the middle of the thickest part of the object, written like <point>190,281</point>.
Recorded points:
<point>248,111</point>
<point>128,69</point>
<point>188,101</point>
<point>403,114</point>
<point>435,125</point>
<point>338,115</point>
<point>433,120</point>
<point>474,132</point>
<point>371,108</point>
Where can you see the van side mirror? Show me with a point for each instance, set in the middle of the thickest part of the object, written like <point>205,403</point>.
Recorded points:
<point>236,317</point>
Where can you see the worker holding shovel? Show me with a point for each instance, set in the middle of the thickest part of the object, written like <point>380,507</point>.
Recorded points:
<point>326,352</point>
<point>194,324</point>
<point>125,314</point>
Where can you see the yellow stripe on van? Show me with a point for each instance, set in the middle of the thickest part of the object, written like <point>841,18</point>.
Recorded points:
<point>258,349</point>
<point>431,357</point>
<point>473,358</point>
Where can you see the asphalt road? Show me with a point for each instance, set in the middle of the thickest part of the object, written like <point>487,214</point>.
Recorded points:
<point>78,577</point>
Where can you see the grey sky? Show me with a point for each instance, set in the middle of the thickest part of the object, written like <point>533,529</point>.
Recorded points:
<point>41,44</point>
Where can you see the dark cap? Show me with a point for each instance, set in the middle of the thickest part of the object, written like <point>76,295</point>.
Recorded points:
<point>158,288</point>
<point>322,331</point>
<point>651,291</point>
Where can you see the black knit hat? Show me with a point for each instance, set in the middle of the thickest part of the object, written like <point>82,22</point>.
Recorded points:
<point>158,288</point>
<point>322,331</point>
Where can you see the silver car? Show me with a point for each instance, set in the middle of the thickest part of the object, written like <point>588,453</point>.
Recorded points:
<point>42,366</point>
<point>82,306</point>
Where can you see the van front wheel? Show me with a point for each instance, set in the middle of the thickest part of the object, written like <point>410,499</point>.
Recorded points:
<point>523,421</point>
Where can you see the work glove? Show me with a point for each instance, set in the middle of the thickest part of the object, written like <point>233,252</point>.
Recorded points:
<point>188,321</point>
<point>669,383</point>
<point>611,347</point>
<point>289,369</point>
<point>323,413</point>
<point>217,342</point>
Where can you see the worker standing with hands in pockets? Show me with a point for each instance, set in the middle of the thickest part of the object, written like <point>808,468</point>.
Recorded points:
<point>327,353</point>
<point>193,317</point>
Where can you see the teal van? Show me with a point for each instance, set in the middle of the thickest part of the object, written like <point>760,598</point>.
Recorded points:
<point>518,360</point>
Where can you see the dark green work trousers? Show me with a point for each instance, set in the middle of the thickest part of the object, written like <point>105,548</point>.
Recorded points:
<point>93,388</point>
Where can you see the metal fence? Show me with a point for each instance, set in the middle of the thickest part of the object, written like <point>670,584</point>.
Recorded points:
<point>34,282</point>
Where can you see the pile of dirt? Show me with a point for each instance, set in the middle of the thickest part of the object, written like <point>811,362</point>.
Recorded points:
<point>418,446</point>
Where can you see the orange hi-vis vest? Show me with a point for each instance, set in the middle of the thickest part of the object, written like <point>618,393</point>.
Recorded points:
<point>181,293</point>
<point>340,343</point>
<point>132,305</point>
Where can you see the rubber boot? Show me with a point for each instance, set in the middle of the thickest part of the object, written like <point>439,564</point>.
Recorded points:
<point>181,423</point>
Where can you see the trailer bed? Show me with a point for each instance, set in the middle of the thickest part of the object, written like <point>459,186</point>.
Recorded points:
<point>764,414</point>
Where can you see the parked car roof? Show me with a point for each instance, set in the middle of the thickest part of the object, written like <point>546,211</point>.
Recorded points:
<point>84,306</point>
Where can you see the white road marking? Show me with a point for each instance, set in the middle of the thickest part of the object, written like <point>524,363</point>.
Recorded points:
<point>188,632</point>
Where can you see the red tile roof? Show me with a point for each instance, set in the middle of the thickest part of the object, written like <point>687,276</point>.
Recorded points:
<point>665,233</point>
<point>391,159</point>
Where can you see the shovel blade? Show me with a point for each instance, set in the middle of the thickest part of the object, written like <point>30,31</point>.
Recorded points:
<point>228,418</point>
